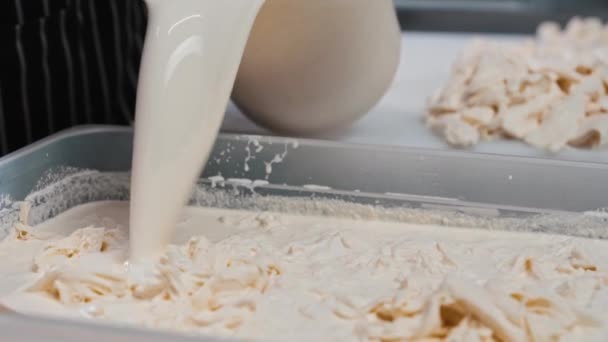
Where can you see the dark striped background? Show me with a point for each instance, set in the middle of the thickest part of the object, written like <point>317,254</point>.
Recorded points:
<point>66,62</point>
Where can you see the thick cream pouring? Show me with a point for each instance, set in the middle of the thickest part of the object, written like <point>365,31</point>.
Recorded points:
<point>192,54</point>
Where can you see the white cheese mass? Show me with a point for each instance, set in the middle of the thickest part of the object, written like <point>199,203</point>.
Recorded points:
<point>311,278</point>
<point>549,92</point>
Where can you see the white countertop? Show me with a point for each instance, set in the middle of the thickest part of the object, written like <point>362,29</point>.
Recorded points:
<point>397,120</point>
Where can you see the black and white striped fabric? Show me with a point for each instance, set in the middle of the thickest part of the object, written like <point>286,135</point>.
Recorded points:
<point>65,63</point>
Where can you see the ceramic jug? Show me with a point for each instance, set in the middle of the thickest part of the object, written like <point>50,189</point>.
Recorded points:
<point>314,65</point>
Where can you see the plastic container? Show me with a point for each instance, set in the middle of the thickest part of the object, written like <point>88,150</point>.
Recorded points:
<point>518,193</point>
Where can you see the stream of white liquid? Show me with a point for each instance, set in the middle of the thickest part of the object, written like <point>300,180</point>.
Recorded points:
<point>191,56</point>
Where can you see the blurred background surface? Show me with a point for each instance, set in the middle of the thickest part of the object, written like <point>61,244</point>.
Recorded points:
<point>73,62</point>
<point>504,16</point>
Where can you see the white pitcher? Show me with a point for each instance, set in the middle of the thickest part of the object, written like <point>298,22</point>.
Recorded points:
<point>314,65</point>
<point>310,65</point>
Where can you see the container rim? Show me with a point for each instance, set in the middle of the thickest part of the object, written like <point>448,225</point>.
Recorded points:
<point>92,129</point>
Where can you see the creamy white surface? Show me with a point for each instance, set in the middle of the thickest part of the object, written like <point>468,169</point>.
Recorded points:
<point>288,277</point>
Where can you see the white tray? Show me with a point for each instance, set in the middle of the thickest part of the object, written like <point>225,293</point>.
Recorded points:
<point>397,120</point>
<point>517,191</point>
